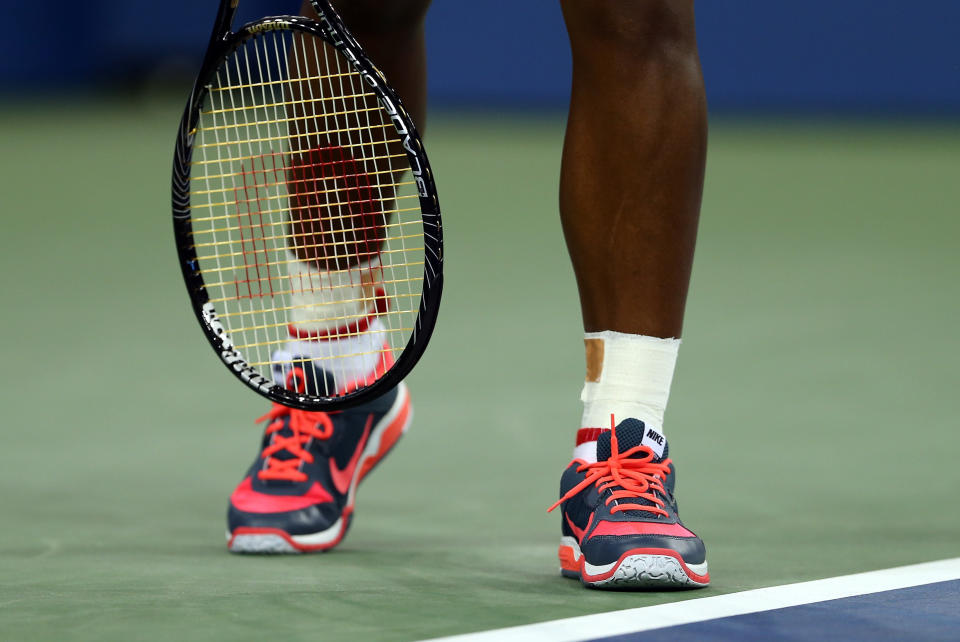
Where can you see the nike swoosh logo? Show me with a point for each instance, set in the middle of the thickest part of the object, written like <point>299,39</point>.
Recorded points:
<point>342,478</point>
<point>576,531</point>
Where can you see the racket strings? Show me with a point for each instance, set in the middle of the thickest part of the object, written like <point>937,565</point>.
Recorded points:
<point>294,235</point>
<point>307,166</point>
<point>307,228</point>
<point>267,105</point>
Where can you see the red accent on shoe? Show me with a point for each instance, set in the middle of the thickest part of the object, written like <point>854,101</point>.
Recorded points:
<point>568,560</point>
<point>640,528</point>
<point>250,501</point>
<point>387,441</point>
<point>589,434</point>
<point>343,478</point>
<point>578,532</point>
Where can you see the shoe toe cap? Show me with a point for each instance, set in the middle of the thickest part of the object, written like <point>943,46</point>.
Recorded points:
<point>309,512</point>
<point>602,548</point>
<point>304,521</point>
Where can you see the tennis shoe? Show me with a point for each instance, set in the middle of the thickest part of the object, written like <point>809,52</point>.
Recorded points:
<point>619,523</point>
<point>299,494</point>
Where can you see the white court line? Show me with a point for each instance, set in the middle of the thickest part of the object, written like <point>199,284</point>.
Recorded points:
<point>708,608</point>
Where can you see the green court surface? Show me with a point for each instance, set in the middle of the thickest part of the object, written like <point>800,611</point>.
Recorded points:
<point>813,418</point>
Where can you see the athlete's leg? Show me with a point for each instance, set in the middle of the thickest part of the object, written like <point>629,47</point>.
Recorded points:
<point>630,190</point>
<point>633,161</point>
<point>298,495</point>
<point>343,171</point>
<point>391,32</point>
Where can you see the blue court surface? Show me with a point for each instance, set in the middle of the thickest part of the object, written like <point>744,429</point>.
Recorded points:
<point>918,602</point>
<point>926,612</point>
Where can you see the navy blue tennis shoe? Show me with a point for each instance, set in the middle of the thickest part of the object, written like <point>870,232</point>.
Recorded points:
<point>299,494</point>
<point>619,522</point>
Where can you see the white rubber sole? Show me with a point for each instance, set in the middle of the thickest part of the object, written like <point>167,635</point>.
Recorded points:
<point>261,544</point>
<point>640,570</point>
<point>649,571</point>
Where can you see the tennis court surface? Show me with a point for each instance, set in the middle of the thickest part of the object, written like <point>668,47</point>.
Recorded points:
<point>813,417</point>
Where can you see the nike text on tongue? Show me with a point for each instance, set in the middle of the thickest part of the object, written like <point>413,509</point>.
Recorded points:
<point>633,432</point>
<point>654,440</point>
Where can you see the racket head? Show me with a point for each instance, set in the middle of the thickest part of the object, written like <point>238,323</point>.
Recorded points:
<point>293,151</point>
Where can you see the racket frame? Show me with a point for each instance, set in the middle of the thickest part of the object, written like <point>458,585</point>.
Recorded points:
<point>330,29</point>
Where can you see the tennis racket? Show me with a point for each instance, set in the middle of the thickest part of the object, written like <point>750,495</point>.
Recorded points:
<point>305,212</point>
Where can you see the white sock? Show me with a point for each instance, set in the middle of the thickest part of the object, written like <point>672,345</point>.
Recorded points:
<point>350,360</point>
<point>334,322</point>
<point>628,376</point>
<point>323,301</point>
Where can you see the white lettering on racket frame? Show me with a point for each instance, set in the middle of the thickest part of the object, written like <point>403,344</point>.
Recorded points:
<point>415,167</point>
<point>231,356</point>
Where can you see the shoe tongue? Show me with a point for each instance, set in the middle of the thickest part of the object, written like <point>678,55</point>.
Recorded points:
<point>317,381</point>
<point>630,433</point>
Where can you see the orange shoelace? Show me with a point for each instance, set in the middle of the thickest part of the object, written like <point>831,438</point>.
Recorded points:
<point>304,426</point>
<point>632,477</point>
